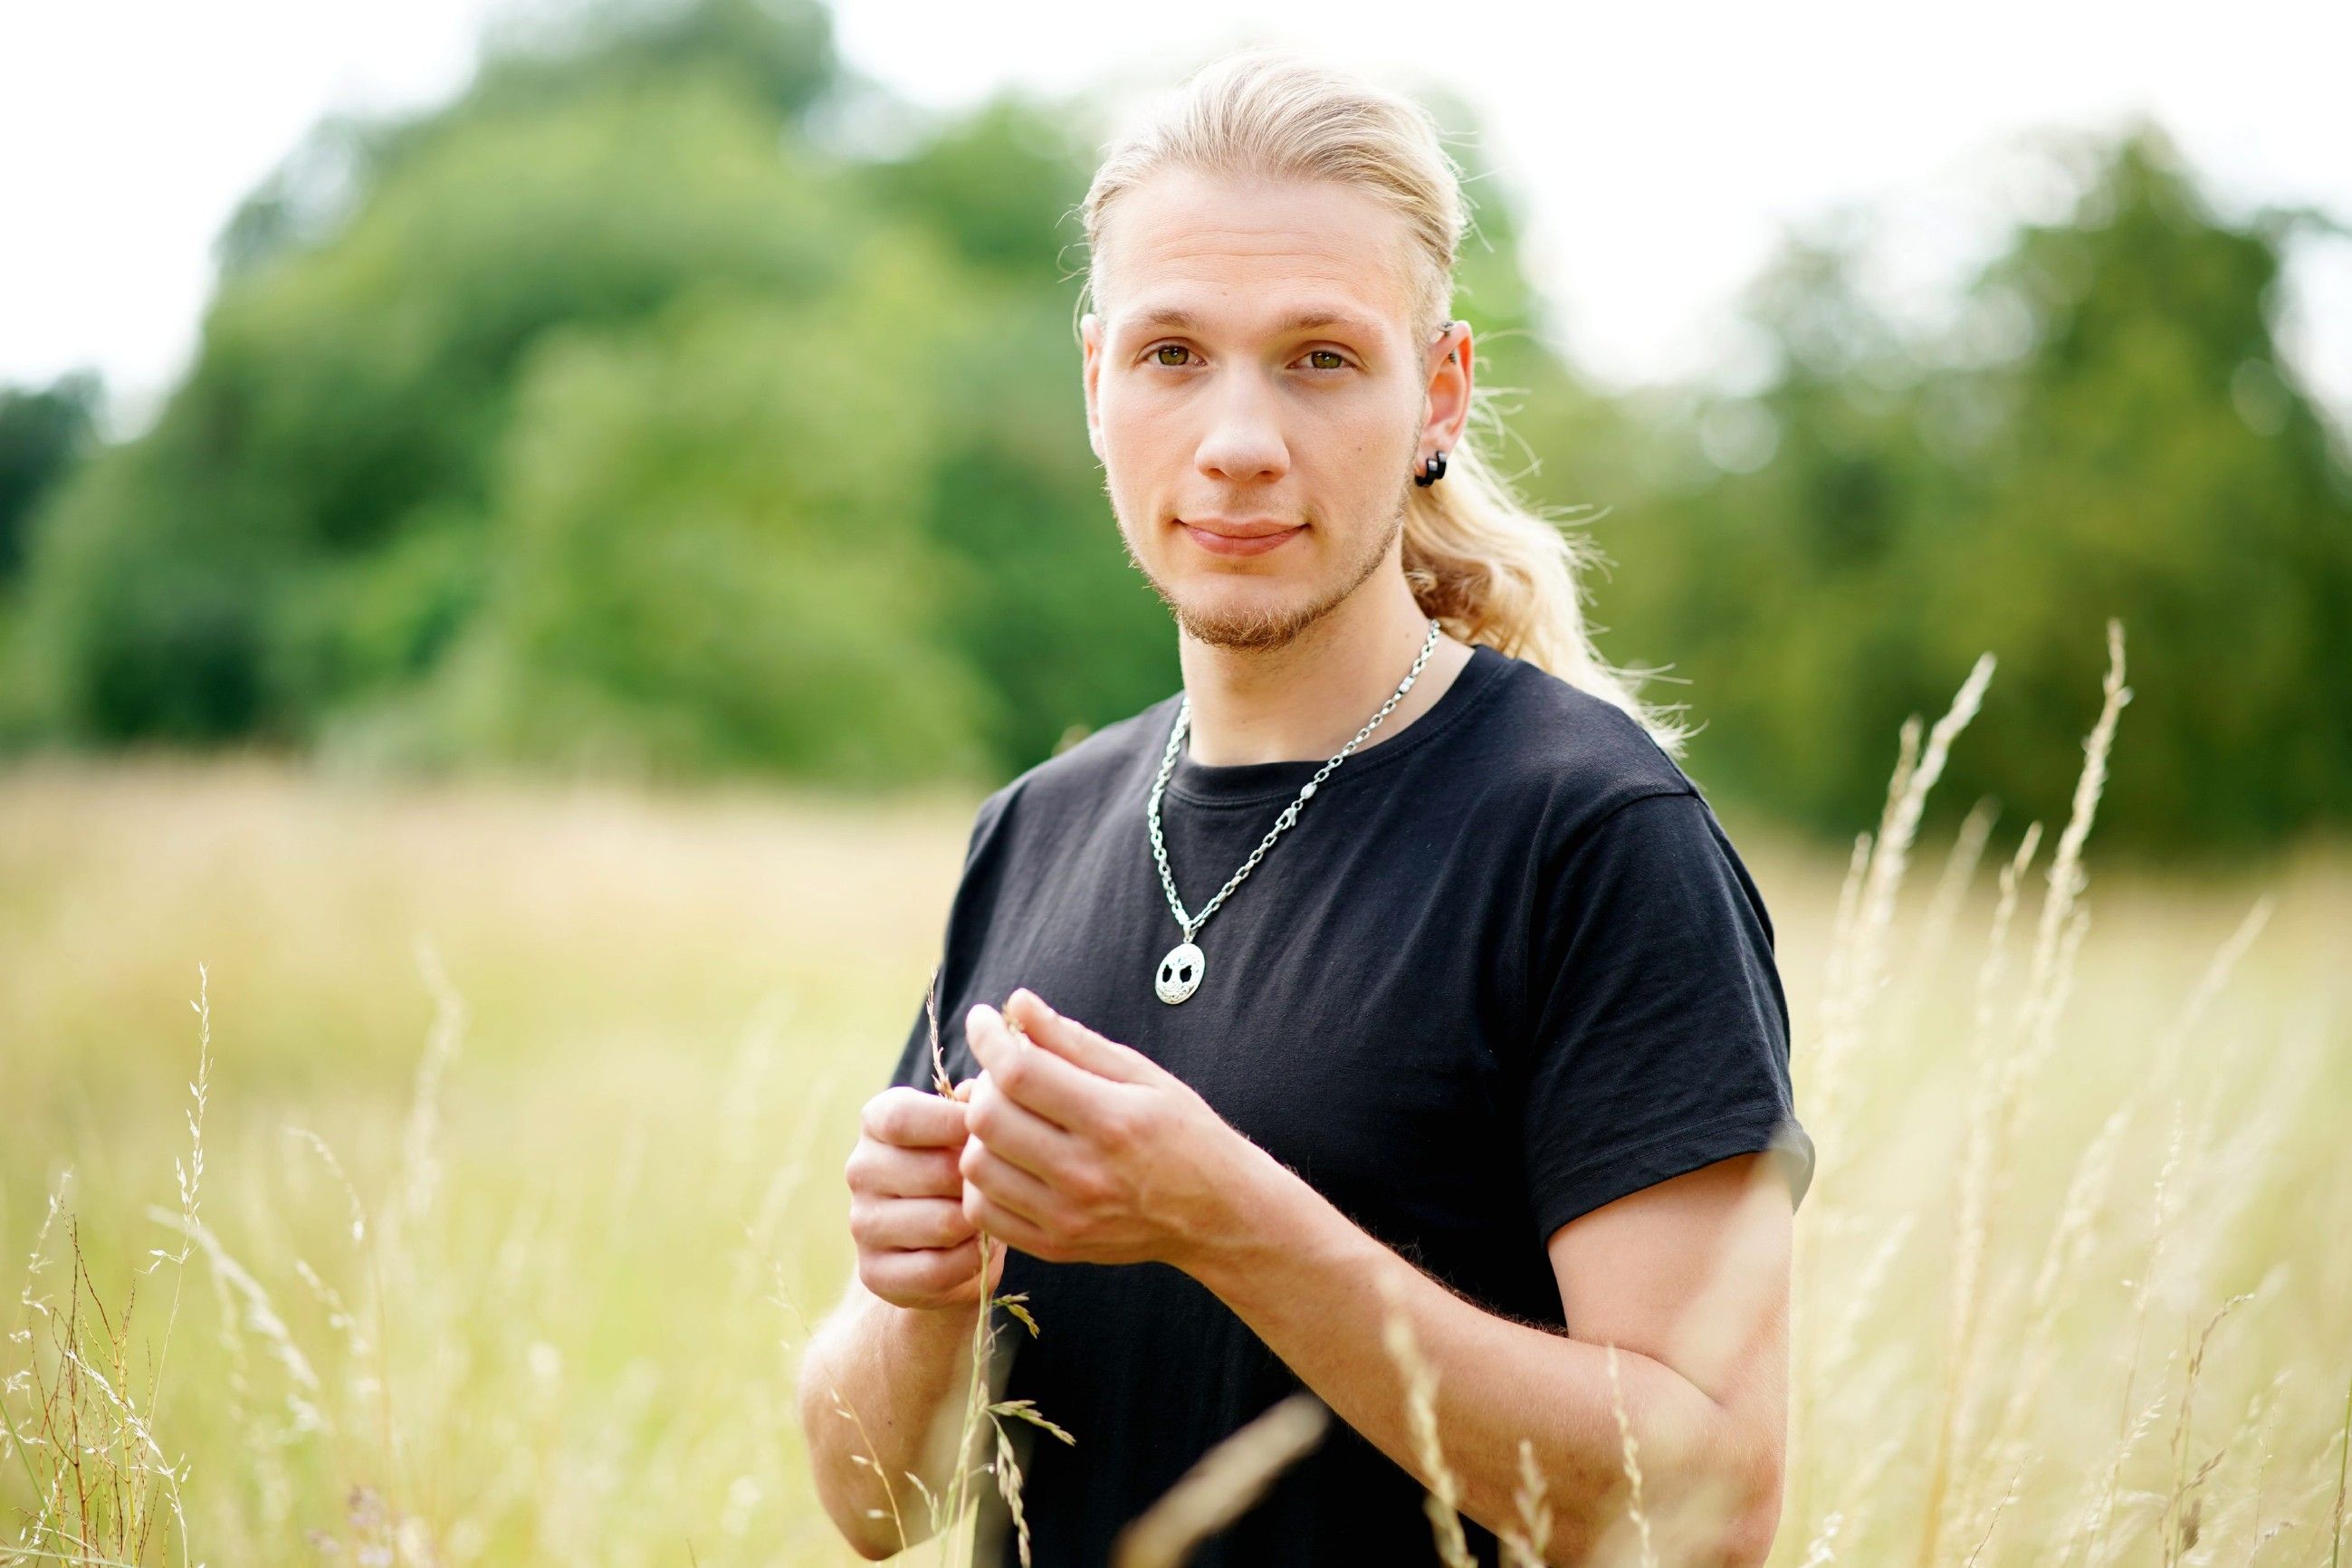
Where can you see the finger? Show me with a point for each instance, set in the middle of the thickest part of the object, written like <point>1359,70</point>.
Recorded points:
<point>1050,1085</point>
<point>1074,1043</point>
<point>911,1225</point>
<point>1008,1225</point>
<point>1006,1184</point>
<point>921,1272</point>
<point>1019,1134</point>
<point>883,1170</point>
<point>913,1118</point>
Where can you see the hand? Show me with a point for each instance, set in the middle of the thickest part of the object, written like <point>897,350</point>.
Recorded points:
<point>1085,1150</point>
<point>915,1246</point>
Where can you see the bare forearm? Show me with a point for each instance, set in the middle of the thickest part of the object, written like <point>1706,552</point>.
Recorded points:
<point>1307,1281</point>
<point>896,1373</point>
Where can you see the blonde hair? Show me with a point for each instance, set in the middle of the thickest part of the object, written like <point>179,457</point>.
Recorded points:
<point>1480,560</point>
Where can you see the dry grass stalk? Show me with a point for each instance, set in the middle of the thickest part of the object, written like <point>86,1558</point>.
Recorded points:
<point>1994,1122</point>
<point>1822,1548</point>
<point>2044,986</point>
<point>1632,1463</point>
<point>2180,1524</point>
<point>1853,981</point>
<point>421,1167</point>
<point>1869,1288</point>
<point>872,1457</point>
<point>2342,1471</point>
<point>1899,828</point>
<point>1223,1484</point>
<point>1525,1546</point>
<point>1944,906</point>
<point>105,1445</point>
<point>1978,1163</point>
<point>1859,959</point>
<point>977,1405</point>
<point>1443,1498</point>
<point>1856,976</point>
<point>2007,1497</point>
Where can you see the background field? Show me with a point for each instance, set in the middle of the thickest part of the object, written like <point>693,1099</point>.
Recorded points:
<point>639,1025</point>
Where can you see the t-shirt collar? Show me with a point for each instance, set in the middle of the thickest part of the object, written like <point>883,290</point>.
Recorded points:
<point>1250,784</point>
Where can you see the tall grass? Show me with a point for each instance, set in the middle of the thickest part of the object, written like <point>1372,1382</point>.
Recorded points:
<point>2072,1283</point>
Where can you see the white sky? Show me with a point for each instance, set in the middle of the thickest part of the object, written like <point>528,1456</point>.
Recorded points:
<point>1658,149</point>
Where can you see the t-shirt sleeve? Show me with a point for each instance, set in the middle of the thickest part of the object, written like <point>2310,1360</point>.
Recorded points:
<point>967,921</point>
<point>1659,1033</point>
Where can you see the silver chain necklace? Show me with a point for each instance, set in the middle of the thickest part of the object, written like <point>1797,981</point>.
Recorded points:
<point>1180,973</point>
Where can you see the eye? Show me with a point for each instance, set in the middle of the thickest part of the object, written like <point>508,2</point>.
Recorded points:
<point>1159,354</point>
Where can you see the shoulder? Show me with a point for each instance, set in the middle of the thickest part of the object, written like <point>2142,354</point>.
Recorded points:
<point>1607,807</point>
<point>1566,759</point>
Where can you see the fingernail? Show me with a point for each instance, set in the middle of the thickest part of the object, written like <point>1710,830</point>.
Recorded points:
<point>1037,1001</point>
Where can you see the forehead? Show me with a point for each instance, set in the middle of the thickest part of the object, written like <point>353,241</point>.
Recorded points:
<point>1252,254</point>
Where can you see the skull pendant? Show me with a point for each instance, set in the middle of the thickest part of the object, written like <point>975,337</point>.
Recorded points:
<point>1180,973</point>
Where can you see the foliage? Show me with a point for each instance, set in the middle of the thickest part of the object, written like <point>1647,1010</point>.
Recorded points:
<point>2107,430</point>
<point>674,401</point>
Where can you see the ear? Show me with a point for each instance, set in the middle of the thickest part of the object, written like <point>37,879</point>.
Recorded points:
<point>1090,342</point>
<point>1449,385</point>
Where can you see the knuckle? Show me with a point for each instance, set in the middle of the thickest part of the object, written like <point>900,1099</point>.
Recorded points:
<point>884,1118</point>
<point>1117,1129</point>
<point>1017,1072</point>
<point>985,1115</point>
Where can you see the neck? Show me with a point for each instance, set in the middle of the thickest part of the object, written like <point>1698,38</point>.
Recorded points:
<point>1305,700</point>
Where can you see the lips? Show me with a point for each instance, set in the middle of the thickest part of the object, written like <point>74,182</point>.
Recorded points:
<point>1241,538</point>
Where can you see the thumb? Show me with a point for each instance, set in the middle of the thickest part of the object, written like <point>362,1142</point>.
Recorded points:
<point>1073,1041</point>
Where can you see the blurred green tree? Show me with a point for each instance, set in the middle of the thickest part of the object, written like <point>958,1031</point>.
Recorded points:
<point>42,434</point>
<point>714,558</point>
<point>2107,429</point>
<point>675,400</point>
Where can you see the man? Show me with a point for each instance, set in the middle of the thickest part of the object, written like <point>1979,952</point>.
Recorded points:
<point>1375,956</point>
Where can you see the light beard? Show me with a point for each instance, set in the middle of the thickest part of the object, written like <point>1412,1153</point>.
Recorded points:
<point>1260,631</point>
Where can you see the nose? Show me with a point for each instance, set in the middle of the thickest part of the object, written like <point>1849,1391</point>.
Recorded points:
<point>1244,440</point>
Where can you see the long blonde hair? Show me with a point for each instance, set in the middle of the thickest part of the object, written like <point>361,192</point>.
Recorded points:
<point>1480,560</point>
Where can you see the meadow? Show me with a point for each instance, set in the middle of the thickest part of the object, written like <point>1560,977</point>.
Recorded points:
<point>449,1173</point>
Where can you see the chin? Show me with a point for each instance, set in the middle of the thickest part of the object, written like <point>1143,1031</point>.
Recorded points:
<point>1249,620</point>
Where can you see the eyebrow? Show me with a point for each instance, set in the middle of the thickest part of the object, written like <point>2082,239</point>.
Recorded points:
<point>1315,318</point>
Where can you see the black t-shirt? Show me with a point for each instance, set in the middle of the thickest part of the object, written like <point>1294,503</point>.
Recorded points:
<point>1504,968</point>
